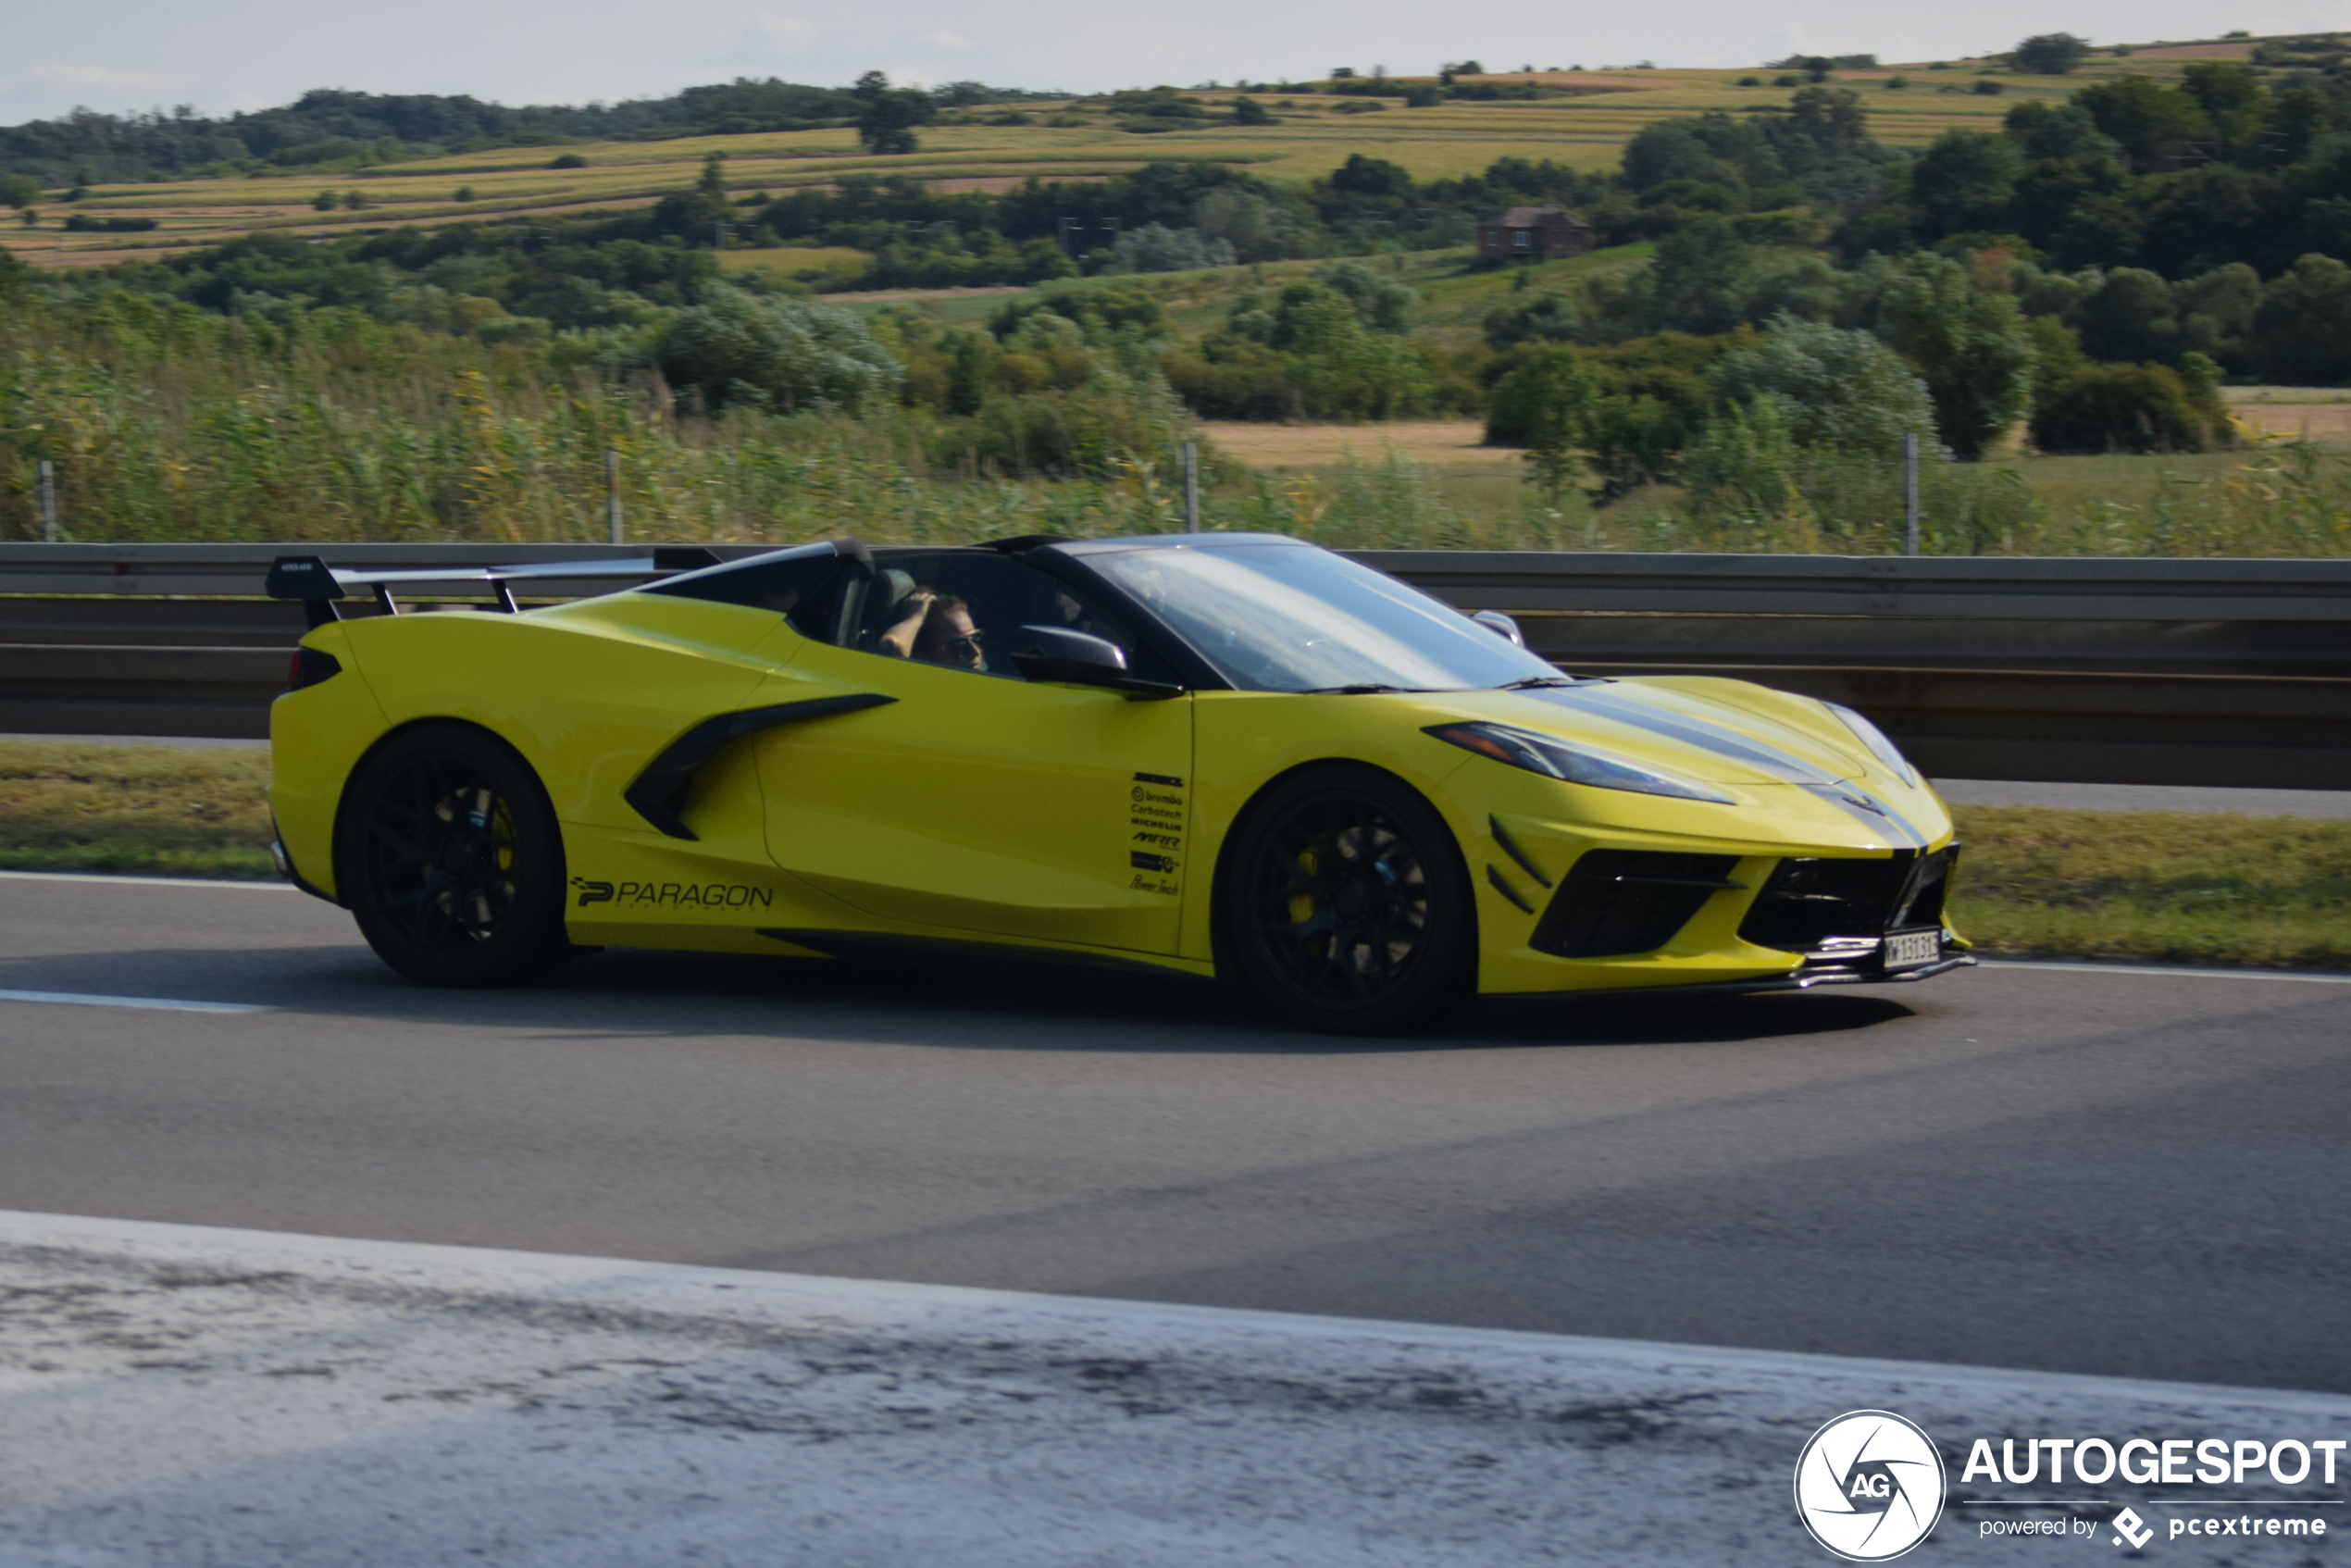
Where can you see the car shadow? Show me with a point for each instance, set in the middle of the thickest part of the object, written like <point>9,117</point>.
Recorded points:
<point>944,1002</point>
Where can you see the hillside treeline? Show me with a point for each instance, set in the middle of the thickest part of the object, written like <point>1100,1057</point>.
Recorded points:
<point>329,126</point>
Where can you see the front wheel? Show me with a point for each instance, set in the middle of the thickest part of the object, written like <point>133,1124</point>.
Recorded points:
<point>449,857</point>
<point>1346,906</point>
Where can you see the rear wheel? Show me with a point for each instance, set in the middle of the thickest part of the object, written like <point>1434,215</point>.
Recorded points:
<point>449,856</point>
<point>1347,906</point>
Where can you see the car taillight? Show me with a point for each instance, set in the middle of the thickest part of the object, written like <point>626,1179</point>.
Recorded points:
<point>309,667</point>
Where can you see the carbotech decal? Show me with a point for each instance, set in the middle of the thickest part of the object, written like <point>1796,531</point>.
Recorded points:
<point>674,895</point>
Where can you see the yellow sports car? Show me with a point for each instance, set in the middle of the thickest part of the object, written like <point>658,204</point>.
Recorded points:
<point>1227,756</point>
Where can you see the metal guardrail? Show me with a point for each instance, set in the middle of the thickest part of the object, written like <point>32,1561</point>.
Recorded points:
<point>2221,672</point>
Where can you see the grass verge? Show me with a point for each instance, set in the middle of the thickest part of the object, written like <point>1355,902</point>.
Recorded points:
<point>2156,887</point>
<point>2144,887</point>
<point>153,809</point>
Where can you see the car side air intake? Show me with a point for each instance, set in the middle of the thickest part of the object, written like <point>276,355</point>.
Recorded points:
<point>1616,903</point>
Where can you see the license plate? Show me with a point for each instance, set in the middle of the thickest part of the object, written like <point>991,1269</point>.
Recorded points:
<point>1908,950</point>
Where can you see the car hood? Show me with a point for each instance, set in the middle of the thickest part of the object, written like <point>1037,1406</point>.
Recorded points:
<point>1750,739</point>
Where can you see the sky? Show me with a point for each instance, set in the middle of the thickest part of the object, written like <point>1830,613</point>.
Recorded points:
<point>226,54</point>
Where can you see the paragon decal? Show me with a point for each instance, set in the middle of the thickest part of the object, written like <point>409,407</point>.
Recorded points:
<point>673,895</point>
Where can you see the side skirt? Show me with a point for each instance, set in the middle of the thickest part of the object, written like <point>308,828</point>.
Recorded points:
<point>886,945</point>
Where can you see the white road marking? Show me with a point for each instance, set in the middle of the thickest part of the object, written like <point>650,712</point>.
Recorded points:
<point>144,881</point>
<point>2154,969</point>
<point>152,1003</point>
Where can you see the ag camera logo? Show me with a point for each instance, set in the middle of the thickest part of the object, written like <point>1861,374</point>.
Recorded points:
<point>1869,1485</point>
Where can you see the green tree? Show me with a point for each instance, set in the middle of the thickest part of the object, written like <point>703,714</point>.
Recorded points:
<point>1697,279</point>
<point>782,353</point>
<point>2050,53</point>
<point>1971,349</point>
<point>326,201</point>
<point>1541,406</point>
<point>712,184</point>
<point>1832,387</point>
<point>1249,111</point>
<point>19,190</point>
<point>888,125</point>
<point>2301,332</point>
<point>2130,316</point>
<point>2232,98</point>
<point>2150,121</point>
<point>1963,182</point>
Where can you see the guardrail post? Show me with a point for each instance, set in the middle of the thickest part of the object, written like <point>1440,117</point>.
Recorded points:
<point>1191,487</point>
<point>48,502</point>
<point>1911,494</point>
<point>611,492</point>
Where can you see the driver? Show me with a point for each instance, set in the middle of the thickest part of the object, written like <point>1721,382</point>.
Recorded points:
<point>936,628</point>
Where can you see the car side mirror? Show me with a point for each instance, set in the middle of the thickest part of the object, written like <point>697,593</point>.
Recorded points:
<point>1079,658</point>
<point>1501,626</point>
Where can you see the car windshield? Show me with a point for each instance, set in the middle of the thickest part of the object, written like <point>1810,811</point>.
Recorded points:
<point>1293,617</point>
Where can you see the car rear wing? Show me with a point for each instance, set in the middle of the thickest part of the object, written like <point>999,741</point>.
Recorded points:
<point>319,586</point>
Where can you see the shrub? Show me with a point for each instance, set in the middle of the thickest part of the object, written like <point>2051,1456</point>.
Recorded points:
<point>1988,87</point>
<point>1830,387</point>
<point>782,353</point>
<point>2100,408</point>
<point>568,160</point>
<point>1157,248</point>
<point>464,193</point>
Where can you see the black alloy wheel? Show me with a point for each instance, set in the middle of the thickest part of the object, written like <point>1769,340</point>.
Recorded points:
<point>1348,907</point>
<point>449,857</point>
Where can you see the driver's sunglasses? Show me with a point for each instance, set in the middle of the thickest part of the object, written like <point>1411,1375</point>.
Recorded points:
<point>967,644</point>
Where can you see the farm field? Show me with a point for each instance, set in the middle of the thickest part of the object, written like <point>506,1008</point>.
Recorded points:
<point>1586,129</point>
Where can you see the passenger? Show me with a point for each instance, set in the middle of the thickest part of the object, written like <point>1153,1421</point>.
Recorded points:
<point>936,628</point>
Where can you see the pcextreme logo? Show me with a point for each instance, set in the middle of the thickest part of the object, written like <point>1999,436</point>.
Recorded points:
<point>1869,1485</point>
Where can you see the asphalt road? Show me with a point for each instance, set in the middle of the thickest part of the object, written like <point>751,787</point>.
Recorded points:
<point>2117,1173</point>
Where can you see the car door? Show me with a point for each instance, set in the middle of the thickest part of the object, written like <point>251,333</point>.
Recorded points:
<point>977,802</point>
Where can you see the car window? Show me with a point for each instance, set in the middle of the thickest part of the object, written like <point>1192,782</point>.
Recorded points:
<point>1292,617</point>
<point>964,609</point>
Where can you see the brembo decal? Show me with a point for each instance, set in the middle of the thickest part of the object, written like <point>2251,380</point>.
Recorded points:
<point>1155,811</point>
<point>673,895</point>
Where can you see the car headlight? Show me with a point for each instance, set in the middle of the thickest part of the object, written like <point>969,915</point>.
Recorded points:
<point>1576,765</point>
<point>1881,746</point>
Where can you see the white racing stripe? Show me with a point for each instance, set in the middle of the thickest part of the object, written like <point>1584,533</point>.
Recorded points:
<point>152,1003</point>
<point>2157,969</point>
<point>144,881</point>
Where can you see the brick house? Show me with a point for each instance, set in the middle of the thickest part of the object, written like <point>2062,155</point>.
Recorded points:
<point>1532,231</point>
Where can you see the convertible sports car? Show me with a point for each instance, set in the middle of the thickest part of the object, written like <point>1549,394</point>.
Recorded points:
<point>1225,755</point>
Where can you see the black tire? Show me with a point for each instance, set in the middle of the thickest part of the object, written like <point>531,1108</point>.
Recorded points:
<point>448,853</point>
<point>1347,907</point>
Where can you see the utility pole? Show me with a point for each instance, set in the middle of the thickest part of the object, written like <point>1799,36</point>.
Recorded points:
<point>48,502</point>
<point>1911,494</point>
<point>1070,226</point>
<point>1191,487</point>
<point>611,492</point>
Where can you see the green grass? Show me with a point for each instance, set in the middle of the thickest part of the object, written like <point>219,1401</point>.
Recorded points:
<point>158,810</point>
<point>2156,887</point>
<point>2148,887</point>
